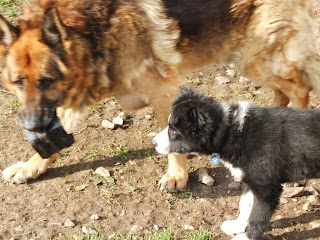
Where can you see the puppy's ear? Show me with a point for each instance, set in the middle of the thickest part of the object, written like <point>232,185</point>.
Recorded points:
<point>53,31</point>
<point>8,34</point>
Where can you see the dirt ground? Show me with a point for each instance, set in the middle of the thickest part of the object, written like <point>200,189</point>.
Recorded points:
<point>129,201</point>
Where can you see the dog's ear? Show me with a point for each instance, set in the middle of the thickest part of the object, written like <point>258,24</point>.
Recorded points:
<point>8,34</point>
<point>53,31</point>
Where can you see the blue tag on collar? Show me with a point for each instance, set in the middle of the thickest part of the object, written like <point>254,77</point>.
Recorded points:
<point>214,159</point>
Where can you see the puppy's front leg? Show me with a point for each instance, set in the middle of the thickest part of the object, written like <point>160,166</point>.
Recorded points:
<point>177,176</point>
<point>240,224</point>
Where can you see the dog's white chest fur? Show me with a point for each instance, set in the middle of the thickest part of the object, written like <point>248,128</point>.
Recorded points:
<point>237,173</point>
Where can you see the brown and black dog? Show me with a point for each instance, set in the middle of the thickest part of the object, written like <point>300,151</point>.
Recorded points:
<point>66,55</point>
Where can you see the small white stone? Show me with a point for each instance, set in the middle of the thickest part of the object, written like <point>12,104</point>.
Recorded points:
<point>135,228</point>
<point>222,80</point>
<point>123,115</point>
<point>314,199</point>
<point>89,231</point>
<point>204,177</point>
<point>148,117</point>
<point>103,172</point>
<point>230,72</point>
<point>118,120</point>
<point>315,224</point>
<point>243,79</point>
<point>156,227</point>
<point>107,124</point>
<point>188,227</point>
<point>94,217</point>
<point>308,207</point>
<point>80,188</point>
<point>290,192</point>
<point>69,223</point>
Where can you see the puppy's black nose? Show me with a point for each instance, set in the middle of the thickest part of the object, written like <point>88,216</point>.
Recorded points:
<point>154,142</point>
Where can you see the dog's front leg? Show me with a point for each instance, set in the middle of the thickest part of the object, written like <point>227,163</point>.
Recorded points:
<point>177,176</point>
<point>21,172</point>
<point>240,224</point>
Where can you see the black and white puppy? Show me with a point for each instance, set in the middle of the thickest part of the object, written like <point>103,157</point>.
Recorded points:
<point>262,147</point>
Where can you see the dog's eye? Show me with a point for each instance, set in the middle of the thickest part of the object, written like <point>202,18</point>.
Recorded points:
<point>45,82</point>
<point>19,82</point>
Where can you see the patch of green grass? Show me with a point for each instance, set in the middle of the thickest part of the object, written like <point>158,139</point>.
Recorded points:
<point>13,105</point>
<point>133,189</point>
<point>8,8</point>
<point>202,234</point>
<point>87,237</point>
<point>2,127</point>
<point>195,81</point>
<point>164,235</point>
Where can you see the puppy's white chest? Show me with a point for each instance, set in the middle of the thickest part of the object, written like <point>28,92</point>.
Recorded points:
<point>237,173</point>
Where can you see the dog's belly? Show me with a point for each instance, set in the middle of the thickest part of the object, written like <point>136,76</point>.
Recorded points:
<point>132,101</point>
<point>211,31</point>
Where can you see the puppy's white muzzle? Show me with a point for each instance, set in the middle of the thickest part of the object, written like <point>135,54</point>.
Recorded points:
<point>162,142</point>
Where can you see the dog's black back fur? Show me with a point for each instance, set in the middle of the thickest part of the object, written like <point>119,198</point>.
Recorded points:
<point>271,146</point>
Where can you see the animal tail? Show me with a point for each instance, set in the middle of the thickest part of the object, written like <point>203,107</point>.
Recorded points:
<point>312,73</point>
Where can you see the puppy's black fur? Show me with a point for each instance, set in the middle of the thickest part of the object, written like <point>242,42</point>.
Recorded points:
<point>269,145</point>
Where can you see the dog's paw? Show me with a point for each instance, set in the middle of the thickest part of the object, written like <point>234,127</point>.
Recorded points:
<point>172,184</point>
<point>18,173</point>
<point>242,236</point>
<point>231,227</point>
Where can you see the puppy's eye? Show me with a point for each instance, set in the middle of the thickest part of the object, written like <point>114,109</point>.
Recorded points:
<point>172,132</point>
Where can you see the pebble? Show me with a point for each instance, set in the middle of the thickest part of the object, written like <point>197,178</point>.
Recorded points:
<point>69,223</point>
<point>234,185</point>
<point>308,207</point>
<point>118,120</point>
<point>204,177</point>
<point>107,124</point>
<point>94,217</point>
<point>283,200</point>
<point>103,172</point>
<point>230,72</point>
<point>222,80</point>
<point>290,192</point>
<point>314,199</point>
<point>148,117</point>
<point>156,227</point>
<point>89,231</point>
<point>135,228</point>
<point>123,115</point>
<point>243,79</point>
<point>188,227</point>
<point>18,229</point>
<point>315,224</point>
<point>80,188</point>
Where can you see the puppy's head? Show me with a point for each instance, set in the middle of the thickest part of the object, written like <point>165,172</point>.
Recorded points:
<point>192,124</point>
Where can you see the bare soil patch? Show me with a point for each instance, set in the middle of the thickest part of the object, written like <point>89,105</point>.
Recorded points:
<point>133,203</point>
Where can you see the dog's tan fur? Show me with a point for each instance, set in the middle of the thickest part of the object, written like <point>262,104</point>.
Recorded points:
<point>134,50</point>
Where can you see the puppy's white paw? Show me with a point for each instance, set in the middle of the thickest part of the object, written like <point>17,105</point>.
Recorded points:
<point>231,227</point>
<point>242,236</point>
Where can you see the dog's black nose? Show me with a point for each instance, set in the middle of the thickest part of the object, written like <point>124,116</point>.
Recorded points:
<point>154,142</point>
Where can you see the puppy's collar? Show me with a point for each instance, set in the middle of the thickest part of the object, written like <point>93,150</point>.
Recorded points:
<point>215,159</point>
